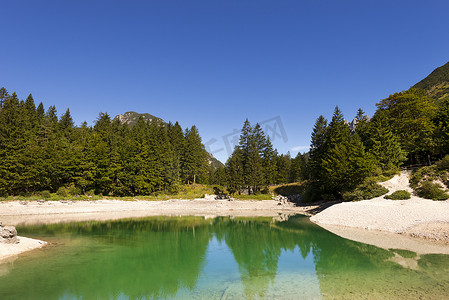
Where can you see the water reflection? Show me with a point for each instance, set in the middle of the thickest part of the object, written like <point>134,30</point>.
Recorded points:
<point>187,257</point>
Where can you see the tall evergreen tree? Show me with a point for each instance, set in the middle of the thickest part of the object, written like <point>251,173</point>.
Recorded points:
<point>234,171</point>
<point>317,148</point>
<point>194,158</point>
<point>383,144</point>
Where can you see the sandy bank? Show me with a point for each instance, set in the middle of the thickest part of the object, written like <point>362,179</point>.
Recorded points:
<point>18,212</point>
<point>367,221</point>
<point>417,225</point>
<point>9,251</point>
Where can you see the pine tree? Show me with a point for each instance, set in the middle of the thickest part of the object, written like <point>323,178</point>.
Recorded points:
<point>338,131</point>
<point>269,162</point>
<point>298,168</point>
<point>3,96</point>
<point>194,167</point>
<point>234,171</point>
<point>283,163</point>
<point>346,165</point>
<point>317,148</point>
<point>383,144</point>
<point>40,111</point>
<point>362,125</point>
<point>177,142</point>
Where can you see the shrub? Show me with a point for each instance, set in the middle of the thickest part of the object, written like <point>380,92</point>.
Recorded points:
<point>355,195</point>
<point>73,190</point>
<point>367,190</point>
<point>62,192</point>
<point>45,194</point>
<point>312,192</point>
<point>430,190</point>
<point>424,173</point>
<point>443,165</point>
<point>289,189</point>
<point>399,195</point>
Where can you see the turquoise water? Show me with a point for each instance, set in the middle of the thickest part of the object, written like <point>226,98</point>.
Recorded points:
<point>221,258</point>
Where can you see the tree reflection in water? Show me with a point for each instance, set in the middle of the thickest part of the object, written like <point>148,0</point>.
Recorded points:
<point>164,257</point>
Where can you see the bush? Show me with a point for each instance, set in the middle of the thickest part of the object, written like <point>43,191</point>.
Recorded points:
<point>424,173</point>
<point>368,190</point>
<point>289,189</point>
<point>355,195</point>
<point>312,192</point>
<point>73,190</point>
<point>62,192</point>
<point>443,165</point>
<point>399,195</point>
<point>45,194</point>
<point>430,190</point>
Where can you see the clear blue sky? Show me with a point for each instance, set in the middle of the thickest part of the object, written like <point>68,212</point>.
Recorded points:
<point>216,63</point>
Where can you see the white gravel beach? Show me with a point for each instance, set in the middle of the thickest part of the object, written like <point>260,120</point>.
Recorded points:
<point>416,217</point>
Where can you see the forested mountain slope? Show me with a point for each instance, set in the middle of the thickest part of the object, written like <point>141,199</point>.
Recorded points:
<point>437,83</point>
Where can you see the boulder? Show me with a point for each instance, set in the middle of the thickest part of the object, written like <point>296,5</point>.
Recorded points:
<point>8,235</point>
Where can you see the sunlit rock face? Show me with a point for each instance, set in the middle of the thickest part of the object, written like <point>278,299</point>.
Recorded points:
<point>8,235</point>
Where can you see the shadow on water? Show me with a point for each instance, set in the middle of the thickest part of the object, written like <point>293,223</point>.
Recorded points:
<point>165,257</point>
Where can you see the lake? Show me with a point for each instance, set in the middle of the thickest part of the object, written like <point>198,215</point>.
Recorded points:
<point>215,258</point>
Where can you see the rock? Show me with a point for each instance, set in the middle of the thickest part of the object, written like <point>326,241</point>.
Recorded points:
<point>209,197</point>
<point>8,235</point>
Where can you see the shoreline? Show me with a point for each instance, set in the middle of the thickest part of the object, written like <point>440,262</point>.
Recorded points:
<point>417,224</point>
<point>16,213</point>
<point>11,251</point>
<point>28,213</point>
<point>416,221</point>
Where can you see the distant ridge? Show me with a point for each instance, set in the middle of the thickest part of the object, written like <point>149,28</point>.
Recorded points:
<point>437,83</point>
<point>131,118</point>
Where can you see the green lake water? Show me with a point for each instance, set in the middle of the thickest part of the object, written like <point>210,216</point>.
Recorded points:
<point>218,258</point>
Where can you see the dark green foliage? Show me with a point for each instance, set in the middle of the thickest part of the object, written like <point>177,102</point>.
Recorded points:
<point>290,189</point>
<point>345,164</point>
<point>283,165</point>
<point>367,190</point>
<point>41,152</point>
<point>253,163</point>
<point>443,165</point>
<point>194,163</point>
<point>383,144</point>
<point>399,195</point>
<point>45,194</point>
<point>62,191</point>
<point>410,115</point>
<point>430,190</point>
<point>317,148</point>
<point>441,122</point>
<point>422,180</point>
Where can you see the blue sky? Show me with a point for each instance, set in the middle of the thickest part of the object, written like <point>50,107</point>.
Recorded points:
<point>215,63</point>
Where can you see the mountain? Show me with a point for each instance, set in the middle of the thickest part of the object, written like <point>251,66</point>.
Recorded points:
<point>215,163</point>
<point>131,118</point>
<point>437,83</point>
